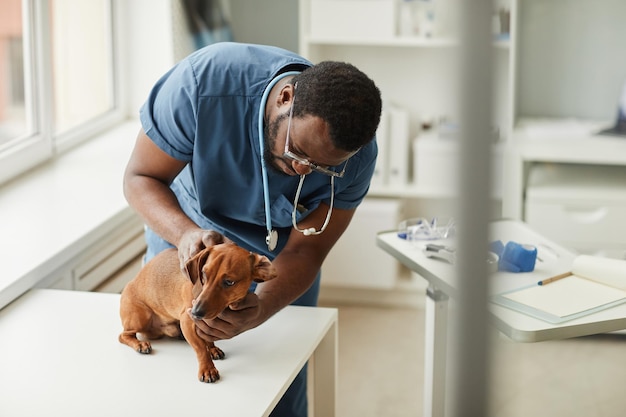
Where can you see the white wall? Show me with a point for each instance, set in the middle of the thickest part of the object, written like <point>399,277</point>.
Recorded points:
<point>148,47</point>
<point>270,22</point>
<point>572,58</point>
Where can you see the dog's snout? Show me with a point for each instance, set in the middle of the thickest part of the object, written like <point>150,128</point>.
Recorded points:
<point>198,312</point>
<point>204,311</point>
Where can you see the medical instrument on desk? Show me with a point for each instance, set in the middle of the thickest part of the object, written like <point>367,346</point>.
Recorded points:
<point>448,254</point>
<point>515,257</point>
<point>492,261</point>
<point>442,252</point>
<point>422,229</point>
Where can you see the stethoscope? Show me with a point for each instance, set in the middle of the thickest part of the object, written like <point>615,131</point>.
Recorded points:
<point>271,239</point>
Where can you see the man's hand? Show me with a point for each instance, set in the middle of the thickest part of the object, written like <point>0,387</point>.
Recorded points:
<point>235,319</point>
<point>194,241</point>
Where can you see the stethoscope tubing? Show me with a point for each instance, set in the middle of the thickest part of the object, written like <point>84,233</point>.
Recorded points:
<point>272,236</point>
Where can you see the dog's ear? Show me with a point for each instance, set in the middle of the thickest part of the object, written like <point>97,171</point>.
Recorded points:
<point>195,264</point>
<point>262,268</point>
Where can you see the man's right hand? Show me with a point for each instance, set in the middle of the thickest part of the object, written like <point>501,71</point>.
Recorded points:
<point>194,241</point>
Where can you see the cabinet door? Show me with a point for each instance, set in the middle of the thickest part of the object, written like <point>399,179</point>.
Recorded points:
<point>117,282</point>
<point>356,261</point>
<point>106,258</point>
<point>61,280</point>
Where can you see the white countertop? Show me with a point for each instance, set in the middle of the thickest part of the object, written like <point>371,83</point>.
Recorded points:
<point>50,214</point>
<point>59,355</point>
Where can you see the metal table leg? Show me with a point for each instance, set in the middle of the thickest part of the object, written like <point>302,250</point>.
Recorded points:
<point>435,352</point>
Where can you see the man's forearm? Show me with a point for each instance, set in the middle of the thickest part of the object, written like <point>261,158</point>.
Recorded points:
<point>296,274</point>
<point>157,205</point>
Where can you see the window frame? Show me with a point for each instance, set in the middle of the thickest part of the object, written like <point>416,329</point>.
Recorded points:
<point>42,144</point>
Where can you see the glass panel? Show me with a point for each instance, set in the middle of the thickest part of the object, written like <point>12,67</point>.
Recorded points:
<point>82,61</point>
<point>13,121</point>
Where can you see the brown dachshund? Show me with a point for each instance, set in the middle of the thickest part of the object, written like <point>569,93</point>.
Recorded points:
<point>156,301</point>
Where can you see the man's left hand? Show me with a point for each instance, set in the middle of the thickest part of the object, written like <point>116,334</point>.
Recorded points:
<point>233,320</point>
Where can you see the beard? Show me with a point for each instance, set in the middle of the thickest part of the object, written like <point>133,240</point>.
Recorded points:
<point>270,133</point>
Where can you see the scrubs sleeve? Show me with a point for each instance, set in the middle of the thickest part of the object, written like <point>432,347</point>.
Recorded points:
<point>353,194</point>
<point>169,115</point>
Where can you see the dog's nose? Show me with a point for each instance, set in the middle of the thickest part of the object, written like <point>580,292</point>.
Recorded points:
<point>197,312</point>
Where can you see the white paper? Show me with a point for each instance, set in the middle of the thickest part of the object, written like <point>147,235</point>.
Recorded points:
<point>608,271</point>
<point>567,296</point>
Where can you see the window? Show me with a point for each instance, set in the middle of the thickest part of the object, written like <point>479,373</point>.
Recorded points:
<point>13,123</point>
<point>57,78</point>
<point>81,61</point>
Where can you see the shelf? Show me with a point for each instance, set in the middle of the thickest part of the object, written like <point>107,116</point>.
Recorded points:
<point>568,141</point>
<point>410,191</point>
<point>539,128</point>
<point>417,191</point>
<point>397,41</point>
<point>593,149</point>
<point>400,41</point>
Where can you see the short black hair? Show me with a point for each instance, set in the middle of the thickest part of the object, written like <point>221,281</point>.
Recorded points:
<point>344,97</point>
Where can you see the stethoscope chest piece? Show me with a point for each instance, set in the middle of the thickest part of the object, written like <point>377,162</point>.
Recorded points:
<point>271,239</point>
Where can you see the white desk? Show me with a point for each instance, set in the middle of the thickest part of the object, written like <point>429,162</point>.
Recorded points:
<point>520,327</point>
<point>59,355</point>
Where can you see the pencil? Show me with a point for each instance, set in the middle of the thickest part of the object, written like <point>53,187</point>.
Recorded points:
<point>554,278</point>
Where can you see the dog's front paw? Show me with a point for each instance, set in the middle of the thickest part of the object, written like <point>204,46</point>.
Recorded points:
<point>144,347</point>
<point>209,375</point>
<point>216,353</point>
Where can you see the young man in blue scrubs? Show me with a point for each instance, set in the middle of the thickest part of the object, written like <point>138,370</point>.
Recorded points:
<point>255,144</point>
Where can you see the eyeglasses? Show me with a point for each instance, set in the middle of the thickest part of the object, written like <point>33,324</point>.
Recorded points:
<point>303,161</point>
<point>311,231</point>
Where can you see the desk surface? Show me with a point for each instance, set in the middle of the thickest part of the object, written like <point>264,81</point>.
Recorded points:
<point>516,325</point>
<point>59,355</point>
<point>38,204</point>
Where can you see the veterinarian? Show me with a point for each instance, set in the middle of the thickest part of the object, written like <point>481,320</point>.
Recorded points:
<point>255,144</point>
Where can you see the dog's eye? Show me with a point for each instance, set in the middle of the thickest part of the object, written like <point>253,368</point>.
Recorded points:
<point>228,282</point>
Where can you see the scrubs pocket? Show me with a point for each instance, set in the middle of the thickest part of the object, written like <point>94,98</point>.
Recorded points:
<point>281,209</point>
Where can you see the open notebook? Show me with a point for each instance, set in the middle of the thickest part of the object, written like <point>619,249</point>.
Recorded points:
<point>594,284</point>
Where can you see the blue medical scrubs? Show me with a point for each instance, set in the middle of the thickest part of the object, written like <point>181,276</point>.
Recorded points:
<point>204,111</point>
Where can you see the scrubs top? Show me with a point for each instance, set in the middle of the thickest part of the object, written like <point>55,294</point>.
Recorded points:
<point>204,111</point>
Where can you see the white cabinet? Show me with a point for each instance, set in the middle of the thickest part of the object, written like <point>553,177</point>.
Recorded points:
<point>117,281</point>
<point>581,206</point>
<point>106,258</point>
<point>59,280</point>
<point>106,265</point>
<point>570,68</point>
<point>354,260</point>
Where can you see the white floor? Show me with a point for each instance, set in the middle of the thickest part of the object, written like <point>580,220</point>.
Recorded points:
<point>381,370</point>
